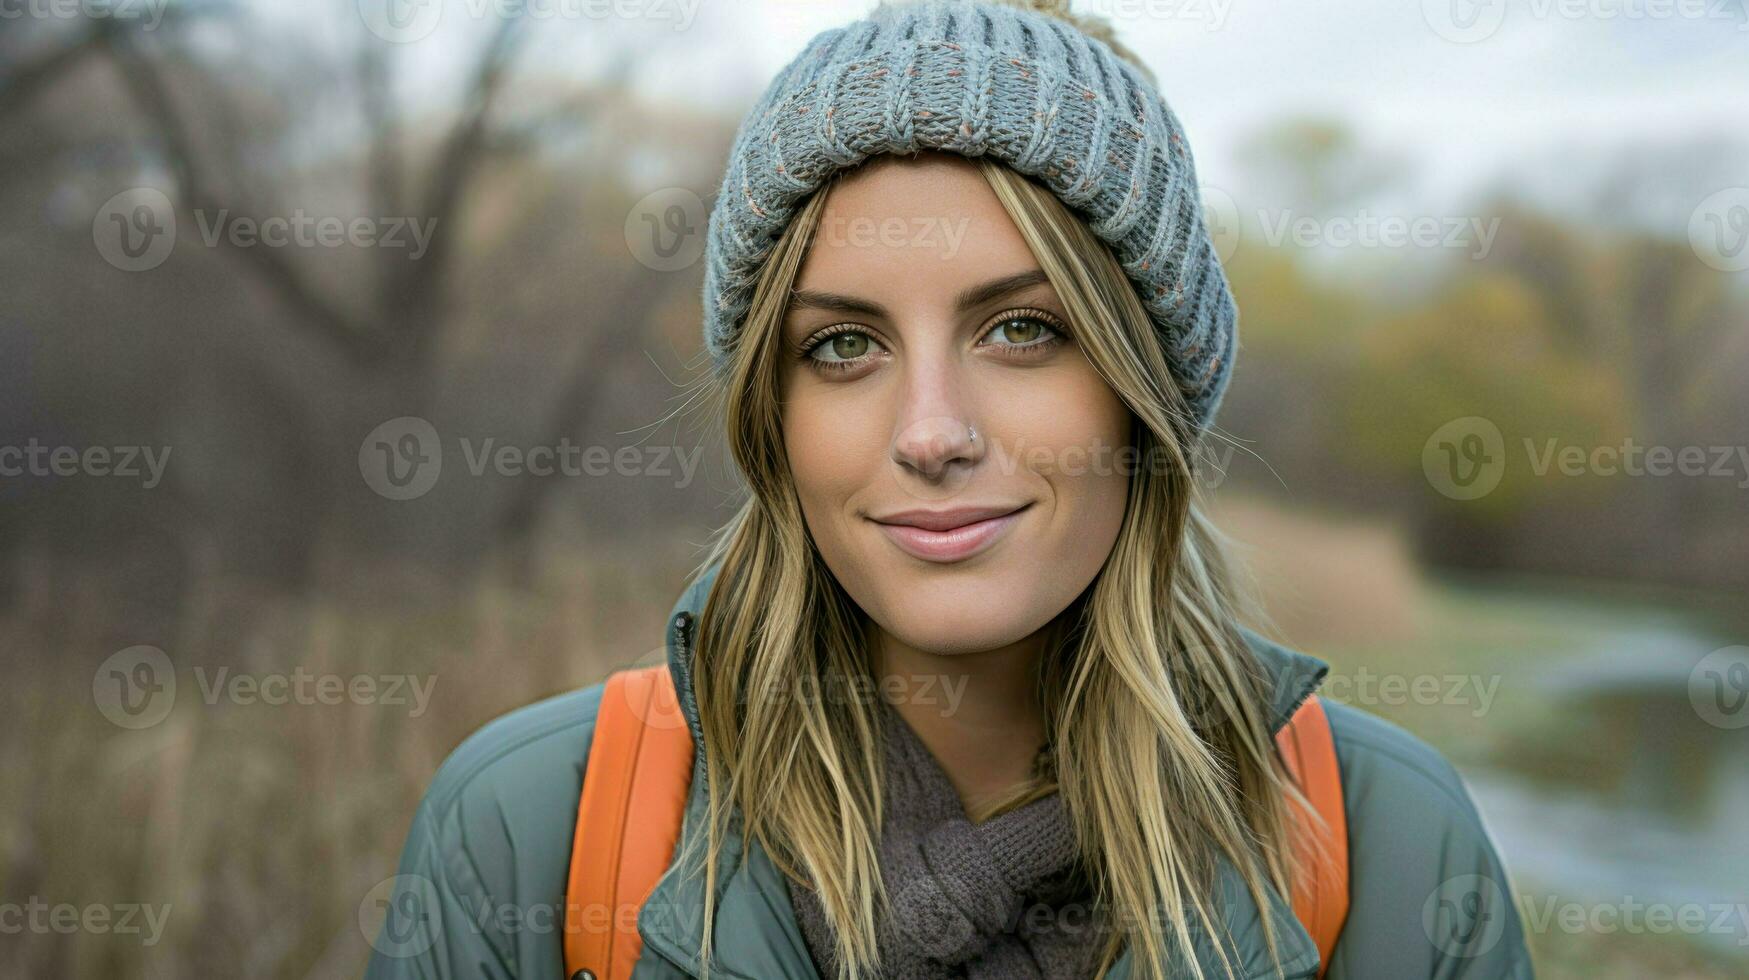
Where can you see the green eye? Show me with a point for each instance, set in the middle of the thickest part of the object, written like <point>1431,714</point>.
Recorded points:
<point>1022,331</point>
<point>842,350</point>
<point>841,347</point>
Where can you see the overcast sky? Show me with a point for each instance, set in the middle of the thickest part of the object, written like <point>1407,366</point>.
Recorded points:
<point>1544,95</point>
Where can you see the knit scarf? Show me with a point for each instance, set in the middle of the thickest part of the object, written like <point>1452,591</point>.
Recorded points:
<point>998,899</point>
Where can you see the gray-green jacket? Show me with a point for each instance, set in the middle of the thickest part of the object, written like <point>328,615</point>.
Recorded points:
<point>481,886</point>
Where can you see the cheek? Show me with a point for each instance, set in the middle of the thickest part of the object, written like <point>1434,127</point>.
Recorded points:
<point>1083,433</point>
<point>833,454</point>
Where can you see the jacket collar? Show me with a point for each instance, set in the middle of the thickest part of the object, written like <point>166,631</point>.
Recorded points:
<point>1293,676</point>
<point>753,899</point>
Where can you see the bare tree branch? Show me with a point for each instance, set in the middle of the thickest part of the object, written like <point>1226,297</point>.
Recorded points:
<point>24,84</point>
<point>458,160</point>
<point>376,103</point>
<point>581,394</point>
<point>578,111</point>
<point>151,91</point>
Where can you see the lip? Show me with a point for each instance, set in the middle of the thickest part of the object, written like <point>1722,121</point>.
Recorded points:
<point>949,535</point>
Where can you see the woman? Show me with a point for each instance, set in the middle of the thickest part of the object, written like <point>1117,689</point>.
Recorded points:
<point>968,326</point>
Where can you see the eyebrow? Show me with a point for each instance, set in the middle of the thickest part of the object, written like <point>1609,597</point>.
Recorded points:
<point>969,298</point>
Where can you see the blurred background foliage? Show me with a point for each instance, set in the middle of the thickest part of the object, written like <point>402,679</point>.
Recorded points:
<point>1588,320</point>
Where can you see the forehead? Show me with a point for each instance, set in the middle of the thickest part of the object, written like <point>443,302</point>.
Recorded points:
<point>911,224</point>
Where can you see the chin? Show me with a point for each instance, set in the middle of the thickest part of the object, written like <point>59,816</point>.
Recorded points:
<point>954,609</point>
<point>947,634</point>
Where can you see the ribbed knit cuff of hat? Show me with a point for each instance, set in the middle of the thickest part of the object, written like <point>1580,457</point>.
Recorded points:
<point>957,890</point>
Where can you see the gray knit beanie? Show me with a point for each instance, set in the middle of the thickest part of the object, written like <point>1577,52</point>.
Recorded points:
<point>979,78</point>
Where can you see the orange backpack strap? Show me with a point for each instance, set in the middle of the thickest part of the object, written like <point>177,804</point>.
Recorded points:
<point>1321,892</point>
<point>628,820</point>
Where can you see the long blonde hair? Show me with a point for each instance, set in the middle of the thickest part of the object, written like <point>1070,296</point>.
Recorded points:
<point>1158,711</point>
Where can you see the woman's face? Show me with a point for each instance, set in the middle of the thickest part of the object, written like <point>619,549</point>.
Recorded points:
<point>920,311</point>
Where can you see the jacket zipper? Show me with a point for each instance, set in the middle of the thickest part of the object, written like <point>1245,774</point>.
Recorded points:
<point>683,623</point>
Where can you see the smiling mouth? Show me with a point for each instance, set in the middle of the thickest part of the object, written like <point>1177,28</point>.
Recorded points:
<point>946,537</point>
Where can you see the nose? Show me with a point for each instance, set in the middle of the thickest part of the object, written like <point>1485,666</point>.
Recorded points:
<point>934,448</point>
<point>932,445</point>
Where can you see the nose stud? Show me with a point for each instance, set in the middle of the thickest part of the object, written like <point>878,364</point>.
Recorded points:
<point>974,434</point>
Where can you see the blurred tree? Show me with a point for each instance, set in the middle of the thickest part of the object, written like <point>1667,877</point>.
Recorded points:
<point>1315,165</point>
<point>241,125</point>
